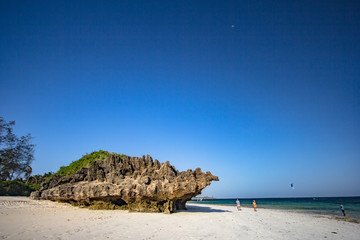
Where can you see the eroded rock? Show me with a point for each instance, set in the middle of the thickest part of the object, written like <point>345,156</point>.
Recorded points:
<point>136,184</point>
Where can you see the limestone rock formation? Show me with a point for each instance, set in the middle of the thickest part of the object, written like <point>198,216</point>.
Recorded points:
<point>136,184</point>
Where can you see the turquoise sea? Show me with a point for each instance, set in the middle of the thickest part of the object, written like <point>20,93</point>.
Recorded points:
<point>314,205</point>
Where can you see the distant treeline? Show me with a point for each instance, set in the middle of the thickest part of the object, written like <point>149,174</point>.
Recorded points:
<point>20,187</point>
<point>17,188</point>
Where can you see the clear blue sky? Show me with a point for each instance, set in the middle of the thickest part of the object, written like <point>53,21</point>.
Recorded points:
<point>260,93</point>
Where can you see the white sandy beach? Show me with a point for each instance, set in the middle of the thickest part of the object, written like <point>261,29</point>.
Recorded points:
<point>22,218</point>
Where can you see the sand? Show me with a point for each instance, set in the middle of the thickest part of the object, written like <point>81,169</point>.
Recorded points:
<point>22,218</point>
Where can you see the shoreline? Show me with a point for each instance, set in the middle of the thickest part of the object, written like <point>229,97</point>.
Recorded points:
<point>317,213</point>
<point>23,218</point>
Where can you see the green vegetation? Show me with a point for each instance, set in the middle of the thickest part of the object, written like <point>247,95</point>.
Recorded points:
<point>85,162</point>
<point>21,187</point>
<point>38,179</point>
<point>16,153</point>
<point>17,188</point>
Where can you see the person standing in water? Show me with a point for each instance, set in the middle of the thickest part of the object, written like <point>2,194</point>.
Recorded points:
<point>238,205</point>
<point>254,204</point>
<point>342,209</point>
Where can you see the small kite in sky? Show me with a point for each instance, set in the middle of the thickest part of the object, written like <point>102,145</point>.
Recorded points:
<point>232,26</point>
<point>292,186</point>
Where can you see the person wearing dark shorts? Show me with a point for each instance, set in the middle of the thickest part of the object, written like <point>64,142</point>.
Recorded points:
<point>342,209</point>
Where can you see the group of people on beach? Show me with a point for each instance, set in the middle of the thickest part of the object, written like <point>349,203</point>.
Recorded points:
<point>254,205</point>
<point>239,206</point>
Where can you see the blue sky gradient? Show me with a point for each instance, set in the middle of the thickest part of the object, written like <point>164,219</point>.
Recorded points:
<point>260,93</point>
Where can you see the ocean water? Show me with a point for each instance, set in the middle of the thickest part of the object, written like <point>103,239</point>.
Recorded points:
<point>318,205</point>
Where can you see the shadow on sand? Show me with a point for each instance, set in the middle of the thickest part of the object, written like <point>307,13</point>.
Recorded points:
<point>203,209</point>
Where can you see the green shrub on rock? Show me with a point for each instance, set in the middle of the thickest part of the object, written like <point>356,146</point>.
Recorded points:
<point>85,162</point>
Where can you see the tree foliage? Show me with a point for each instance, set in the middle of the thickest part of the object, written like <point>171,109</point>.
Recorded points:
<point>16,153</point>
<point>17,188</point>
<point>38,179</point>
